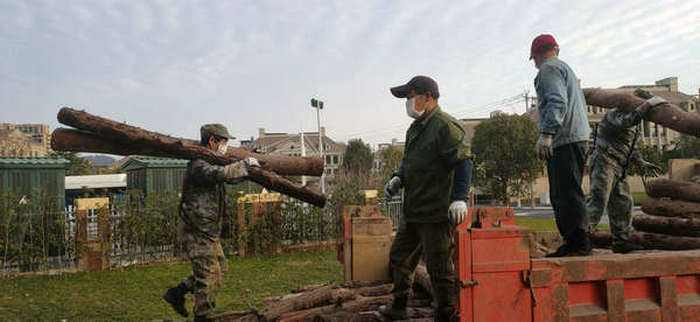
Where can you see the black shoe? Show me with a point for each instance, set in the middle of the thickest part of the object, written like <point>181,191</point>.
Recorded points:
<point>625,247</point>
<point>202,318</point>
<point>175,296</point>
<point>396,310</point>
<point>448,314</point>
<point>562,251</point>
<point>568,250</point>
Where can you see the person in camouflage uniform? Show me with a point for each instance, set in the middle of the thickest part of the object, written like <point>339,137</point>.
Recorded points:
<point>202,209</point>
<point>615,140</point>
<point>435,173</point>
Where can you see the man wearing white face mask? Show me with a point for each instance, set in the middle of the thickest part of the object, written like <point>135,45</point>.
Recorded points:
<point>202,214</point>
<point>435,174</point>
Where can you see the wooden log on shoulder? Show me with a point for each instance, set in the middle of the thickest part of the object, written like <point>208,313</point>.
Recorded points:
<point>80,141</point>
<point>674,189</point>
<point>671,208</point>
<point>673,226</point>
<point>153,142</point>
<point>667,115</point>
<point>649,241</point>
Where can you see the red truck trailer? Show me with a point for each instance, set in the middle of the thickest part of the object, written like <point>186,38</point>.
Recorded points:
<point>501,282</point>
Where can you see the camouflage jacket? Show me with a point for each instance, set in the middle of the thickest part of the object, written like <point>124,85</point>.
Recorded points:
<point>615,135</point>
<point>203,201</point>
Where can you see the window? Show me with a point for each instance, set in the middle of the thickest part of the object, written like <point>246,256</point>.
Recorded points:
<point>335,159</point>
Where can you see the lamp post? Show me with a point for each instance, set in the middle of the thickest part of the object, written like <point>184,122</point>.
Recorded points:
<point>318,105</point>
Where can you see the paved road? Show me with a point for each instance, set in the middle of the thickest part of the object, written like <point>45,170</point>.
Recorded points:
<point>546,212</point>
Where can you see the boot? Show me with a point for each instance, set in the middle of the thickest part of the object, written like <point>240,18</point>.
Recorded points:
<point>446,314</point>
<point>583,247</point>
<point>396,310</point>
<point>624,247</point>
<point>175,296</point>
<point>202,318</point>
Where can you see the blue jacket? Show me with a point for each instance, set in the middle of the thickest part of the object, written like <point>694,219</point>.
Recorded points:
<point>562,107</point>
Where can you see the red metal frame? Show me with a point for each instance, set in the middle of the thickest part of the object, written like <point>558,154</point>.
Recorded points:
<point>501,283</point>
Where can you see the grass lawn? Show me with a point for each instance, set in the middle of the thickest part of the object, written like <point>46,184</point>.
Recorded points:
<point>133,294</point>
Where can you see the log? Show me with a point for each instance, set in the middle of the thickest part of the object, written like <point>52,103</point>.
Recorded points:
<point>649,241</point>
<point>674,189</point>
<point>671,208</point>
<point>667,225</point>
<point>314,298</point>
<point>667,115</point>
<point>153,142</point>
<point>79,141</point>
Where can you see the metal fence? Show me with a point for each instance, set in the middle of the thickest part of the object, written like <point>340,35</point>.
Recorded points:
<point>393,208</point>
<point>32,241</point>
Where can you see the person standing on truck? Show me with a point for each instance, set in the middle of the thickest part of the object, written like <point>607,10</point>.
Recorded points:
<point>563,142</point>
<point>615,142</point>
<point>202,208</point>
<point>435,173</point>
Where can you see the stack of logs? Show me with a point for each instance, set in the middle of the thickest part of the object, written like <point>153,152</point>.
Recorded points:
<point>670,218</point>
<point>351,301</point>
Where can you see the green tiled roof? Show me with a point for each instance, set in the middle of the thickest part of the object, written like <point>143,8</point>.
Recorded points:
<point>6,162</point>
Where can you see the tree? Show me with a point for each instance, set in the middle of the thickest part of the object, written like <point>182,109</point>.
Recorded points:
<point>78,166</point>
<point>358,157</point>
<point>504,155</point>
<point>391,159</point>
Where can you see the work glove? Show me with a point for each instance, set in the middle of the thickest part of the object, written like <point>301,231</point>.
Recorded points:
<point>251,162</point>
<point>236,171</point>
<point>544,146</point>
<point>392,187</point>
<point>457,212</point>
<point>649,169</point>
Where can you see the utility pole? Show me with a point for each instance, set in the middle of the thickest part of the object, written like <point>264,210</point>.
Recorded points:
<point>303,154</point>
<point>318,105</point>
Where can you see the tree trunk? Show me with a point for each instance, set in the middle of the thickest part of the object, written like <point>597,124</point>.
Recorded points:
<point>649,241</point>
<point>674,189</point>
<point>667,225</point>
<point>71,140</point>
<point>153,142</point>
<point>666,115</point>
<point>671,208</point>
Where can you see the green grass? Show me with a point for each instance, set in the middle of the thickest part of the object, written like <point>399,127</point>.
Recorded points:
<point>133,294</point>
<point>639,197</point>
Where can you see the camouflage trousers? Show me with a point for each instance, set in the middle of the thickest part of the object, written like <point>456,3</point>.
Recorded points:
<point>610,194</point>
<point>434,242</point>
<point>208,266</point>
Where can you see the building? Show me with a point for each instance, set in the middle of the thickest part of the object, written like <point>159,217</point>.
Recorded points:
<point>289,144</point>
<point>35,178</point>
<point>154,175</point>
<point>24,140</point>
<point>652,134</point>
<point>91,186</point>
<point>378,162</point>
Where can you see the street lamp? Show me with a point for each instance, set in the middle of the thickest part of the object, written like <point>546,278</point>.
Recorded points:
<point>318,105</point>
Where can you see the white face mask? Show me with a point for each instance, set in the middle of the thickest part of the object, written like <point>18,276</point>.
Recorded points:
<point>411,109</point>
<point>222,148</point>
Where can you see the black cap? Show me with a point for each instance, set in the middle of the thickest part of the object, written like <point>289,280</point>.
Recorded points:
<point>421,84</point>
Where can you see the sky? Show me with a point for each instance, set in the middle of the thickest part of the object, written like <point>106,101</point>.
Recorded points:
<point>171,66</point>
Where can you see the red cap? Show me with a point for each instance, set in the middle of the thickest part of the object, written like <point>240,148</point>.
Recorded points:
<point>540,42</point>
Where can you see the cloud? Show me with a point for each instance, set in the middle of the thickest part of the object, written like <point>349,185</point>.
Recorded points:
<point>171,65</point>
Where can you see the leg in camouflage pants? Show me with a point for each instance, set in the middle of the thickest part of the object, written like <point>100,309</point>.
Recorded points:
<point>612,194</point>
<point>434,240</point>
<point>208,266</point>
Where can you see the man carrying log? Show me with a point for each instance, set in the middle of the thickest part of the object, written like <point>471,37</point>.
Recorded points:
<point>564,134</point>
<point>435,173</point>
<point>202,209</point>
<point>615,140</point>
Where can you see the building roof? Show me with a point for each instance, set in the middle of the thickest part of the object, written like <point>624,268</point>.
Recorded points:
<point>139,162</point>
<point>96,181</point>
<point>33,162</point>
<point>271,142</point>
